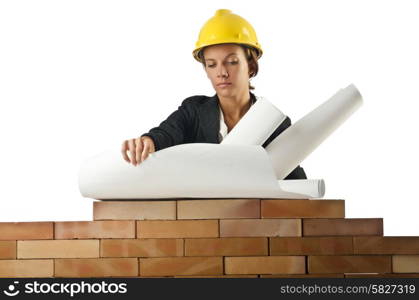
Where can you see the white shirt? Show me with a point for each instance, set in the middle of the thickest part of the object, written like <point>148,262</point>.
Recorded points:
<point>223,127</point>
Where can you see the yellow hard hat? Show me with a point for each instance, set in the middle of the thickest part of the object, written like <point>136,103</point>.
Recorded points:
<point>226,27</point>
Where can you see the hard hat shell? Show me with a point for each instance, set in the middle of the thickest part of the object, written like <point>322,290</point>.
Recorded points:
<point>226,27</point>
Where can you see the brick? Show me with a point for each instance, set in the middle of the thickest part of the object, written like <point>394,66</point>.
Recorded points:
<point>142,248</point>
<point>177,229</point>
<point>27,268</point>
<point>310,245</point>
<point>7,249</point>
<point>405,263</point>
<point>94,229</point>
<point>218,209</point>
<point>96,267</point>
<point>387,275</point>
<point>349,264</point>
<point>134,210</point>
<point>181,266</point>
<point>259,227</point>
<point>303,276</point>
<point>142,277</point>
<point>274,208</point>
<point>339,227</point>
<point>265,265</point>
<point>386,245</point>
<point>58,249</point>
<point>226,247</point>
<point>218,276</point>
<point>26,230</point>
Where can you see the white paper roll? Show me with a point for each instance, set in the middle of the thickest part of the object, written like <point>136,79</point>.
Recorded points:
<point>314,188</point>
<point>293,145</point>
<point>257,125</point>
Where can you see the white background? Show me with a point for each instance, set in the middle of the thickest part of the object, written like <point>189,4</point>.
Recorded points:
<point>79,77</point>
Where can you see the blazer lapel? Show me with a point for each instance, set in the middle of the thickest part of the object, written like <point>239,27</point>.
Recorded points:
<point>210,116</point>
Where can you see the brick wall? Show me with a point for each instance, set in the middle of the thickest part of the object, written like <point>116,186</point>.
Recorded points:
<point>208,238</point>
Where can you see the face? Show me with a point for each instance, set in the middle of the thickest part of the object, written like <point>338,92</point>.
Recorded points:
<point>227,68</point>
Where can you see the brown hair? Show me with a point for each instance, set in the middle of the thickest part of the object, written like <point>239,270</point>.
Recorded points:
<point>251,57</point>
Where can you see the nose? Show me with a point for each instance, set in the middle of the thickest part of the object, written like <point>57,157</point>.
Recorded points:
<point>222,71</point>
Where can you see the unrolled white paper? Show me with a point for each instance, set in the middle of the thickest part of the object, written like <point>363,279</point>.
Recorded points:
<point>293,145</point>
<point>186,171</point>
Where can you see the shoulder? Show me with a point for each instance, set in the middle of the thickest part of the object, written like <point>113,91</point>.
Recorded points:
<point>198,100</point>
<point>199,104</point>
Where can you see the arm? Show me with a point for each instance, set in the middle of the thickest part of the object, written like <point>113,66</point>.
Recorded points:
<point>176,129</point>
<point>298,172</point>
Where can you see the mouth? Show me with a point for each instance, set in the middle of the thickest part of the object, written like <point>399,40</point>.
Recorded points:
<point>224,84</point>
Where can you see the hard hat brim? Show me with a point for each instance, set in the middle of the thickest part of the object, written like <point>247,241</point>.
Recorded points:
<point>196,51</point>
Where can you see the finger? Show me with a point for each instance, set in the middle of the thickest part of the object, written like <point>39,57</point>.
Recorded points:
<point>146,149</point>
<point>152,148</point>
<point>131,145</point>
<point>124,151</point>
<point>138,149</point>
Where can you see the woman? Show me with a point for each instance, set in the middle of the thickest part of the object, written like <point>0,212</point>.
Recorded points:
<point>228,49</point>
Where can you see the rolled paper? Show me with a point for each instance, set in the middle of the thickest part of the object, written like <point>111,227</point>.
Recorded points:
<point>314,188</point>
<point>197,170</point>
<point>295,143</point>
<point>256,126</point>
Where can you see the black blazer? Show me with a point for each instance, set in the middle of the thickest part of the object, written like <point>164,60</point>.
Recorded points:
<point>197,120</point>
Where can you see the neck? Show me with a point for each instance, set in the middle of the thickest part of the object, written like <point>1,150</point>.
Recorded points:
<point>236,106</point>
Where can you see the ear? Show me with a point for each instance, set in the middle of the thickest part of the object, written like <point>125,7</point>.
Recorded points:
<point>251,72</point>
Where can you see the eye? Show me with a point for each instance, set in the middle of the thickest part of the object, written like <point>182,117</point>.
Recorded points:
<point>233,62</point>
<point>210,65</point>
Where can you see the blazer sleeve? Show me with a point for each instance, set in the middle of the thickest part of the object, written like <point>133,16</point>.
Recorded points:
<point>298,172</point>
<point>176,129</point>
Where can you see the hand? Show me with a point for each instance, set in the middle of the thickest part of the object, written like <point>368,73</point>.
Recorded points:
<point>138,148</point>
